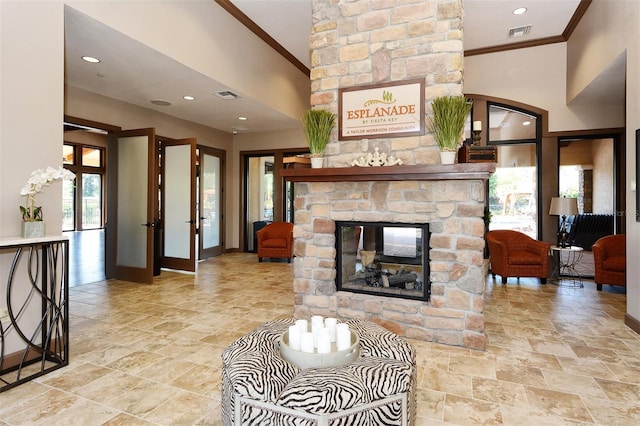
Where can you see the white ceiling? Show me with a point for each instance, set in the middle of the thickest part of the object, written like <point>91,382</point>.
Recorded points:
<point>486,22</point>
<point>134,73</point>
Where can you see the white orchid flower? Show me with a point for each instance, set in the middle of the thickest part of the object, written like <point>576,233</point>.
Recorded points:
<point>38,180</point>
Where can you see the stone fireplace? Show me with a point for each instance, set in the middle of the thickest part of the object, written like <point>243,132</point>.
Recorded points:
<point>449,198</point>
<point>372,42</point>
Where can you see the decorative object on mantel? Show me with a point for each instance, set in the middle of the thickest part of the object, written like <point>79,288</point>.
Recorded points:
<point>297,162</point>
<point>477,154</point>
<point>317,125</point>
<point>377,159</point>
<point>475,132</point>
<point>32,222</point>
<point>447,123</point>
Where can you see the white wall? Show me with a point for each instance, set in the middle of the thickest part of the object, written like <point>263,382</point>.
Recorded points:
<point>537,76</point>
<point>31,89</point>
<point>608,28</point>
<point>31,93</point>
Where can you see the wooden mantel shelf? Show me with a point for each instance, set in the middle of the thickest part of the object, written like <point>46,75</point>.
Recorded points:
<point>460,171</point>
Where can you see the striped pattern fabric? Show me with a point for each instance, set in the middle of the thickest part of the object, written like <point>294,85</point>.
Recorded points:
<point>276,392</point>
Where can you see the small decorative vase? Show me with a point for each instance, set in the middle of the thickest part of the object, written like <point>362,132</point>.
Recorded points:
<point>33,229</point>
<point>317,162</point>
<point>448,157</point>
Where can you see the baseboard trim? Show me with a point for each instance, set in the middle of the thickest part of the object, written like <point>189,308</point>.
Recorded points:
<point>632,323</point>
<point>13,361</point>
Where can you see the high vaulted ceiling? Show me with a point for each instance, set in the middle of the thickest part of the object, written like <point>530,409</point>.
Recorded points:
<point>133,73</point>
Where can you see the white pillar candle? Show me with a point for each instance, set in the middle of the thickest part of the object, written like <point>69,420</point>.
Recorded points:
<point>317,319</point>
<point>306,342</point>
<point>477,126</point>
<point>343,338</point>
<point>324,342</point>
<point>295,333</point>
<point>316,326</point>
<point>303,324</point>
<point>330,324</point>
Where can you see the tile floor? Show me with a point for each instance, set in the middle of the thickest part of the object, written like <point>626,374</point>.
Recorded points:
<point>150,354</point>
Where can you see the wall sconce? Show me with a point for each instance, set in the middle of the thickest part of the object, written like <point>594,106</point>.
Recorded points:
<point>475,133</point>
<point>563,207</point>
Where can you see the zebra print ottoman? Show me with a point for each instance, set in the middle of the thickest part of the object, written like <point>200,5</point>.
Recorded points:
<point>261,388</point>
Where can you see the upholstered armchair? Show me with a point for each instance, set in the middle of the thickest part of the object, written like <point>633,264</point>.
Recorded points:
<point>610,261</point>
<point>276,241</point>
<point>514,254</point>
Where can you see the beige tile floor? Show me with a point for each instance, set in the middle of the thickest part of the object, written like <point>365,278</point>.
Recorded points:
<point>150,354</point>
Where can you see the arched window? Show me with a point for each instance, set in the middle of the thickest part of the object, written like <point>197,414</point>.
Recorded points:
<point>513,188</point>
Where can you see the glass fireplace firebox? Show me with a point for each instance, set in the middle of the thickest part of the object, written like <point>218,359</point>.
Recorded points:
<point>383,258</point>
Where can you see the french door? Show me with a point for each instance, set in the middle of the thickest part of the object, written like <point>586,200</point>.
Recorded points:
<point>178,198</point>
<point>132,210</point>
<point>151,215</point>
<point>210,202</point>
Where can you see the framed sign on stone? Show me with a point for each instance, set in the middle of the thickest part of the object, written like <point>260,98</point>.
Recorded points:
<point>382,110</point>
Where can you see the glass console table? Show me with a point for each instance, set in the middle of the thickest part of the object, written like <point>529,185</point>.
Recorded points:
<point>34,308</point>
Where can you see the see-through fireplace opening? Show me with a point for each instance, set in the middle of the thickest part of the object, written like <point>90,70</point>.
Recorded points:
<point>383,258</point>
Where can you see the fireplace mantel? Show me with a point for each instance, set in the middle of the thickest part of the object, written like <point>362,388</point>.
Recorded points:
<point>461,171</point>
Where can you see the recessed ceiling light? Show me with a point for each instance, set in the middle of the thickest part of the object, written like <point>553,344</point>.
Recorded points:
<point>91,59</point>
<point>160,103</point>
<point>520,11</point>
<point>188,98</point>
<point>526,123</point>
<point>242,118</point>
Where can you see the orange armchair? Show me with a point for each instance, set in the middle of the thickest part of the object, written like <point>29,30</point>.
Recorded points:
<point>276,241</point>
<point>610,261</point>
<point>514,254</point>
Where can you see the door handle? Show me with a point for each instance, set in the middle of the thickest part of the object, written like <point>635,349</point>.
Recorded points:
<point>190,221</point>
<point>203,218</point>
<point>149,225</point>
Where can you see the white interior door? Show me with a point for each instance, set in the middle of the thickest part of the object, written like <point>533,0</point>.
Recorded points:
<point>132,205</point>
<point>211,202</point>
<point>178,203</point>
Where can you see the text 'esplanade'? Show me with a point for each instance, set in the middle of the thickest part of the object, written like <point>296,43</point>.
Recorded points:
<point>381,112</point>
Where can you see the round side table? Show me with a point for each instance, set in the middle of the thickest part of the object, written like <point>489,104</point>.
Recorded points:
<point>565,260</point>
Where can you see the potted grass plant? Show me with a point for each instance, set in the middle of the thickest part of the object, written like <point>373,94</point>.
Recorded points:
<point>317,125</point>
<point>447,124</point>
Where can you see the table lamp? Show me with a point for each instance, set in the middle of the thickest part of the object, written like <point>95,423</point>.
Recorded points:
<point>562,206</point>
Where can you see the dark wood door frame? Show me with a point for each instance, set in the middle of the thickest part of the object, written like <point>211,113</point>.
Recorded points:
<point>278,185</point>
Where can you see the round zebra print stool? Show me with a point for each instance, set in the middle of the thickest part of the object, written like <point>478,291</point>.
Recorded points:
<point>259,387</point>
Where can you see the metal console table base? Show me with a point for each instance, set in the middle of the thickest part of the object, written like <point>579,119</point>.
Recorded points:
<point>564,271</point>
<point>34,336</point>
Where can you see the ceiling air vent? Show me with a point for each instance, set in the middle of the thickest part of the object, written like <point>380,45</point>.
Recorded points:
<point>227,95</point>
<point>519,31</point>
